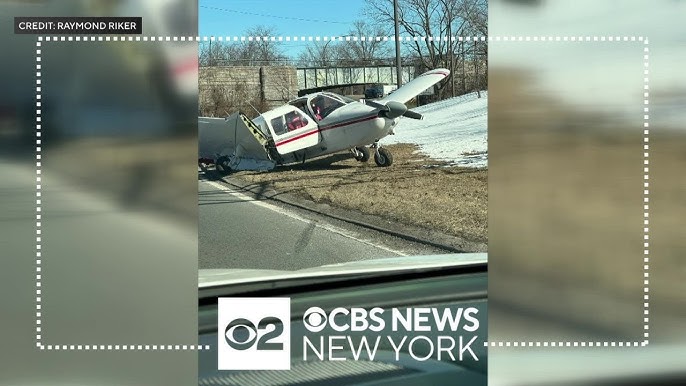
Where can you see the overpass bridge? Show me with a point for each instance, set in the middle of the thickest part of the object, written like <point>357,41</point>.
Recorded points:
<point>313,79</point>
<point>222,89</point>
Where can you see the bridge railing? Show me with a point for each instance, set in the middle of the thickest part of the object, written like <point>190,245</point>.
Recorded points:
<point>314,77</point>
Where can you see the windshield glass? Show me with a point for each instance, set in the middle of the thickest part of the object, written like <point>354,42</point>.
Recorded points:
<point>346,99</point>
<point>324,104</point>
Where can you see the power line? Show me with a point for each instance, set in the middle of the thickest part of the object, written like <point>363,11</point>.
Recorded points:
<point>274,16</point>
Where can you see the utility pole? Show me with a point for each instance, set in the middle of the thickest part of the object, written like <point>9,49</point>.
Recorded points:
<point>211,55</point>
<point>398,69</point>
<point>452,52</point>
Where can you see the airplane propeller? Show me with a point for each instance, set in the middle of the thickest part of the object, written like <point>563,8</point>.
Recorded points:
<point>393,109</point>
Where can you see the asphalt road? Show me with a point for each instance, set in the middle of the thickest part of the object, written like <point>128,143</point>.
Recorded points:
<point>236,231</point>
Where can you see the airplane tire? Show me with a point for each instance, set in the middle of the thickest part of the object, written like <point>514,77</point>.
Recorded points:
<point>383,158</point>
<point>222,165</point>
<point>365,155</point>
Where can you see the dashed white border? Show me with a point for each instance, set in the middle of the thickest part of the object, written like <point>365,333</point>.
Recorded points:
<point>109,347</point>
<point>39,336</point>
<point>646,193</point>
<point>129,38</point>
<point>39,309</point>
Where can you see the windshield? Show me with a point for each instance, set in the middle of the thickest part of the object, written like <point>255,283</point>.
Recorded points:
<point>346,99</point>
<point>324,104</point>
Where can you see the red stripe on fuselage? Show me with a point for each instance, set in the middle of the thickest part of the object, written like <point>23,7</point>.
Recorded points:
<point>325,128</point>
<point>349,122</point>
<point>297,137</point>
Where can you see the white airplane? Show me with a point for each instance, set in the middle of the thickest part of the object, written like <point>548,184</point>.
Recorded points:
<point>308,127</point>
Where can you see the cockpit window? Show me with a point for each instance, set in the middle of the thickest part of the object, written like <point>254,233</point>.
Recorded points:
<point>301,104</point>
<point>295,120</point>
<point>322,105</point>
<point>279,125</point>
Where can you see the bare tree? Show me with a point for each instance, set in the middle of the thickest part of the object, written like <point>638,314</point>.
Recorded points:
<point>258,50</point>
<point>367,51</point>
<point>261,50</point>
<point>319,54</point>
<point>359,48</point>
<point>436,23</point>
<point>216,53</point>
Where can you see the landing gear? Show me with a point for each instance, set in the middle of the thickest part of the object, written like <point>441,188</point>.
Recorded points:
<point>382,156</point>
<point>361,154</point>
<point>222,165</point>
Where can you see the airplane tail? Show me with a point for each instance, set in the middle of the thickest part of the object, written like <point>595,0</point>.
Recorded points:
<point>235,142</point>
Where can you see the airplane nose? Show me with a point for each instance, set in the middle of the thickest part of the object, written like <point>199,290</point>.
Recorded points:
<point>394,110</point>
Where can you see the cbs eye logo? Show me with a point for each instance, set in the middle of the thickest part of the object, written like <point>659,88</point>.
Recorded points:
<point>241,334</point>
<point>315,319</point>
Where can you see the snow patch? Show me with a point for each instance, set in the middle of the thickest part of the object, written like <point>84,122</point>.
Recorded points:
<point>453,130</point>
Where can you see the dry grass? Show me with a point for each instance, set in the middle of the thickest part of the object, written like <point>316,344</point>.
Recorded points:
<point>415,190</point>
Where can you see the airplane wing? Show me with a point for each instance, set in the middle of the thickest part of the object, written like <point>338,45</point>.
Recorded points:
<point>416,86</point>
<point>236,138</point>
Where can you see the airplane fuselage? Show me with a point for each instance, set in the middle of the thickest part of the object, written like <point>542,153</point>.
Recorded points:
<point>346,126</point>
<point>350,126</point>
<point>311,126</point>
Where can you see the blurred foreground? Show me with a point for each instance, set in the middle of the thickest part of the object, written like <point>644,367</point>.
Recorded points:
<point>566,195</point>
<point>105,251</point>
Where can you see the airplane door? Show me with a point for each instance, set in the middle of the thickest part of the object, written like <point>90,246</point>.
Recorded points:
<point>294,131</point>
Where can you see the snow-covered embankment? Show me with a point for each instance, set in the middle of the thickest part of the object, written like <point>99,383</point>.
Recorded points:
<point>453,130</point>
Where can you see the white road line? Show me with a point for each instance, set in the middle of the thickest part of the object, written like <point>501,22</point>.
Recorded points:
<point>294,216</point>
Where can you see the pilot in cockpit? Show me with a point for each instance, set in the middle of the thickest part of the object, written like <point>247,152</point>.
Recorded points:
<point>318,108</point>
<point>295,121</point>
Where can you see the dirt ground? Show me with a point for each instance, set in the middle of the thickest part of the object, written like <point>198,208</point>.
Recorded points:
<point>415,190</point>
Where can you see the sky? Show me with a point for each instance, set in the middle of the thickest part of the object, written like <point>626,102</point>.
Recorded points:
<point>289,18</point>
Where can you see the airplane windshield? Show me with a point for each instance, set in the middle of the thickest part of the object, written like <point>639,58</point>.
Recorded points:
<point>346,99</point>
<point>322,105</point>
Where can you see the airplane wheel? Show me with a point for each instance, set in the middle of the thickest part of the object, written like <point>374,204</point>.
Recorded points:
<point>222,165</point>
<point>383,157</point>
<point>364,154</point>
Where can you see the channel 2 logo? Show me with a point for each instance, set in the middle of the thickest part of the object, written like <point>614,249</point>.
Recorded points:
<point>254,334</point>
